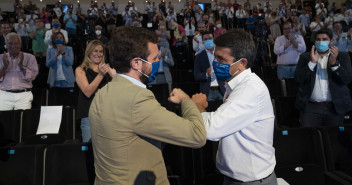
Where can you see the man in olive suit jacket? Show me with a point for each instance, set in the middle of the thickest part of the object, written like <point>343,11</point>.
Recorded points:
<point>128,124</point>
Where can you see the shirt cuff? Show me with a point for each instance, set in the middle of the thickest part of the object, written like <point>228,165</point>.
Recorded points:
<point>335,68</point>
<point>311,65</point>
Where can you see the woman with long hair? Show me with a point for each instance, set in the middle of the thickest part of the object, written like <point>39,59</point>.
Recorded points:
<point>91,75</point>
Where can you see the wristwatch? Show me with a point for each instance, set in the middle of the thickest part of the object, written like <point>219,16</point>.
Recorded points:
<point>336,64</point>
<point>23,68</point>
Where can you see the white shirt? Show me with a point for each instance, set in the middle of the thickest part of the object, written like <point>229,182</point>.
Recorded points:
<point>240,14</point>
<point>133,80</point>
<point>244,124</point>
<point>321,91</point>
<point>313,24</point>
<point>211,57</point>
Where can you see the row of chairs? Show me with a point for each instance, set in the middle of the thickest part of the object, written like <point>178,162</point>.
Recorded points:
<point>59,164</point>
<point>314,156</point>
<point>20,127</point>
<point>304,156</point>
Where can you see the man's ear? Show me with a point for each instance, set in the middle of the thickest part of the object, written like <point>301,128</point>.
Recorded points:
<point>135,62</point>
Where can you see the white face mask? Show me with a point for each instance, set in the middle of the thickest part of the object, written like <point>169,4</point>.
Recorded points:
<point>98,32</point>
<point>20,20</point>
<point>219,25</point>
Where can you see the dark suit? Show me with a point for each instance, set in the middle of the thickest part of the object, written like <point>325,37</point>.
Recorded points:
<point>338,81</point>
<point>201,64</point>
<point>2,44</point>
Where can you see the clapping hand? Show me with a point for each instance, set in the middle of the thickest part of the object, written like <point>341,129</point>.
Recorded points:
<point>314,55</point>
<point>5,60</point>
<point>334,52</point>
<point>103,69</point>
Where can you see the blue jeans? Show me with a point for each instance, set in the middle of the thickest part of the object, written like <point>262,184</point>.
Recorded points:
<point>214,95</point>
<point>63,83</point>
<point>85,128</point>
<point>285,71</point>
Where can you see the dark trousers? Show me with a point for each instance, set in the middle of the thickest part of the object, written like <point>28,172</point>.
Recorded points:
<point>316,115</point>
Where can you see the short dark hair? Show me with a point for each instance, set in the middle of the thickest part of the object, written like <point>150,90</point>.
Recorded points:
<point>324,31</point>
<point>127,43</point>
<point>240,43</point>
<point>4,22</point>
<point>206,33</point>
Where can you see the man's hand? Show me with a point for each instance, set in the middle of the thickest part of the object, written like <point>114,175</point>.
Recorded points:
<point>287,44</point>
<point>162,54</point>
<point>334,52</point>
<point>200,100</point>
<point>209,71</point>
<point>21,60</point>
<point>5,60</point>
<point>314,55</point>
<point>178,96</point>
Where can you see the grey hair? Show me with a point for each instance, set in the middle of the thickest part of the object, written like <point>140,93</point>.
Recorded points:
<point>12,34</point>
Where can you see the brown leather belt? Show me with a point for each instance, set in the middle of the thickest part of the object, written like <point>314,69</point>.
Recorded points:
<point>321,103</point>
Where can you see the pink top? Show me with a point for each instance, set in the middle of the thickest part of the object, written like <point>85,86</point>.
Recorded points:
<point>220,31</point>
<point>44,17</point>
<point>14,79</point>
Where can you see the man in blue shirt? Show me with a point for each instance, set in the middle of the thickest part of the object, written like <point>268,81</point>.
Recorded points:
<point>304,18</point>
<point>70,21</point>
<point>341,40</point>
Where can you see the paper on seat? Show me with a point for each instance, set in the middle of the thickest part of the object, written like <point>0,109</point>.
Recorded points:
<point>50,120</point>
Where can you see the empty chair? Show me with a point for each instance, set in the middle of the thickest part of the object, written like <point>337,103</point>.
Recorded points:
<point>300,159</point>
<point>286,113</point>
<point>269,72</point>
<point>63,96</point>
<point>21,165</point>
<point>274,87</point>
<point>338,150</point>
<point>40,81</point>
<point>291,86</point>
<point>69,164</point>
<point>39,97</point>
<point>160,91</point>
<point>205,171</point>
<point>30,125</point>
<point>178,162</point>
<point>10,127</point>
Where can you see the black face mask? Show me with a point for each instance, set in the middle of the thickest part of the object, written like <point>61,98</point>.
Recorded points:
<point>205,21</point>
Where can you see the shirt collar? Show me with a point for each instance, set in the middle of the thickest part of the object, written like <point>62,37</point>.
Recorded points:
<point>133,80</point>
<point>238,79</point>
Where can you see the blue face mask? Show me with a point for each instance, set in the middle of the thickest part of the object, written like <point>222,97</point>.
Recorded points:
<point>222,71</point>
<point>208,44</point>
<point>154,73</point>
<point>59,41</point>
<point>322,46</point>
<point>56,25</point>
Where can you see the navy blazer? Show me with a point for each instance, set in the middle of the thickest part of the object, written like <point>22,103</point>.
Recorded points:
<point>201,64</point>
<point>338,81</point>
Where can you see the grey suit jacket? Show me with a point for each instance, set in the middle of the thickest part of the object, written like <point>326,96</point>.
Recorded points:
<point>128,125</point>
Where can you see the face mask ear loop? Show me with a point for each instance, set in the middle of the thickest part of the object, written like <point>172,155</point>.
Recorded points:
<point>237,69</point>
<point>140,70</point>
